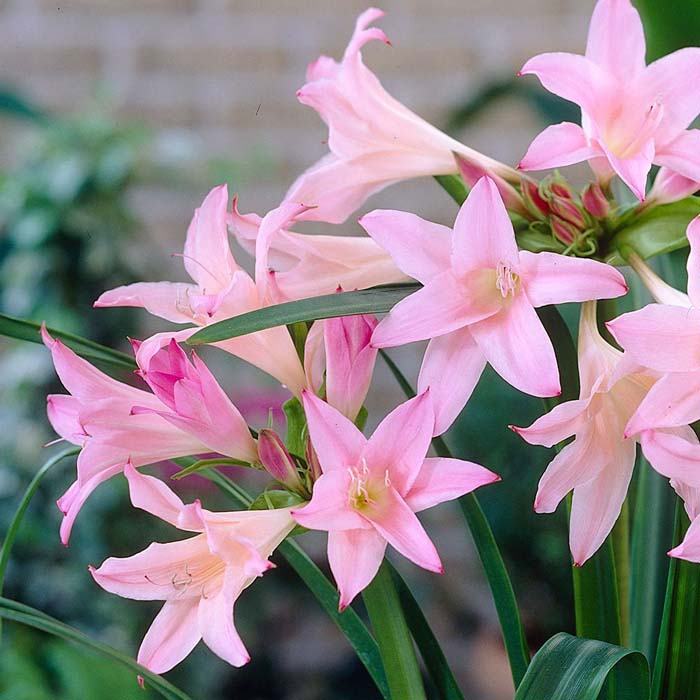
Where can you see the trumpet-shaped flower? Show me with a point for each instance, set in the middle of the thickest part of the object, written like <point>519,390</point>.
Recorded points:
<point>632,114</point>
<point>221,289</point>
<point>479,298</point>
<point>199,578</point>
<point>370,489</point>
<point>302,265</point>
<point>338,350</point>
<point>374,140</point>
<point>597,465</point>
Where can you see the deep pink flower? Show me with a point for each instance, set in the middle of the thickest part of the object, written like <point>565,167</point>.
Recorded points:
<point>479,298</point>
<point>374,140</point>
<point>371,489</point>
<point>632,114</point>
<point>199,578</point>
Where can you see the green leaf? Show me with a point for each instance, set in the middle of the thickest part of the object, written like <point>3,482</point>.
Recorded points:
<point>367,301</point>
<point>677,665</point>
<point>296,426</point>
<point>11,610</point>
<point>491,559</point>
<point>659,230</point>
<point>348,621</point>
<point>454,186</point>
<point>429,647</point>
<point>275,498</point>
<point>201,464</point>
<point>571,668</point>
<point>393,636</point>
<point>28,330</point>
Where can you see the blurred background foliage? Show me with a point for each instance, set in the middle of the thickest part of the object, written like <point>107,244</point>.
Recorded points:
<point>67,232</point>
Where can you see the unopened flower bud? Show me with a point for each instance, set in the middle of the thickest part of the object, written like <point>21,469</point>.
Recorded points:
<point>558,186</point>
<point>563,230</point>
<point>276,459</point>
<point>594,201</point>
<point>569,211</point>
<point>534,200</point>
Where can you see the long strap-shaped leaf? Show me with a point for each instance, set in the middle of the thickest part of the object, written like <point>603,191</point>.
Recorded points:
<point>28,330</point>
<point>572,668</point>
<point>348,621</point>
<point>491,559</point>
<point>11,610</point>
<point>367,301</point>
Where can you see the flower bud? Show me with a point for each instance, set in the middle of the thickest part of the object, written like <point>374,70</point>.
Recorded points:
<point>568,210</point>
<point>534,200</point>
<point>276,459</point>
<point>563,230</point>
<point>594,201</point>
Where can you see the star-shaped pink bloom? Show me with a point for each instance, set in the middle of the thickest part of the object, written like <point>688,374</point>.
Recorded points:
<point>371,489</point>
<point>632,114</point>
<point>479,298</point>
<point>199,578</point>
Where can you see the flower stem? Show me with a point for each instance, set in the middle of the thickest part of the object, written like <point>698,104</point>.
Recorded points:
<point>394,638</point>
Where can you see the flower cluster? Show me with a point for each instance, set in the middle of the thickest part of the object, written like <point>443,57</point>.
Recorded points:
<point>480,285</point>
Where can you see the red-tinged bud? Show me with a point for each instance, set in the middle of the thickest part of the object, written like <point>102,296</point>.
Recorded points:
<point>277,460</point>
<point>557,186</point>
<point>312,461</point>
<point>594,201</point>
<point>568,210</point>
<point>534,200</point>
<point>563,230</point>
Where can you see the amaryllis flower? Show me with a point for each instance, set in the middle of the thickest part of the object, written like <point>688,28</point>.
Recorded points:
<point>338,352</point>
<point>371,489</point>
<point>598,464</point>
<point>221,290</point>
<point>98,416</point>
<point>374,140</point>
<point>632,114</point>
<point>199,578</point>
<point>302,265</point>
<point>479,298</point>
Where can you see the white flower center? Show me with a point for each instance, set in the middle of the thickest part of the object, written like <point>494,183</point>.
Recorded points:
<point>507,281</point>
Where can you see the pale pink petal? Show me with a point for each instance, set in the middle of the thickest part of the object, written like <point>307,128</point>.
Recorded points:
<point>673,401</point>
<point>682,154</point>
<point>149,347</point>
<point>517,346</point>
<point>400,527</point>
<point>693,266</point>
<point>329,506</point>
<point>689,548</point>
<point>669,187</point>
<point>216,622</point>
<point>616,39</point>
<point>690,496</point>
<point>336,439</point>
<point>315,357</point>
<point>672,455</point>
<point>442,479</point>
<point>156,573</point>
<point>483,234</point>
<point>207,255</point>
<point>168,300</point>
<point>171,637</point>
<point>400,442</point>
<point>443,305</point>
<point>550,278</point>
<point>573,77</point>
<point>63,412</point>
<point>665,338</point>
<point>451,368</point>
<point>354,557</point>
<point>596,505</point>
<point>558,145</point>
<point>561,422</point>
<point>420,248</point>
<point>634,170</point>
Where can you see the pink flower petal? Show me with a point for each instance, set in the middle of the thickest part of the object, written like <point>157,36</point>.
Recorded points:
<point>451,368</point>
<point>560,423</point>
<point>689,548</point>
<point>558,145</point>
<point>550,278</point>
<point>168,300</point>
<point>682,154</point>
<point>673,456</point>
<point>634,170</point>
<point>693,266</point>
<point>354,557</point>
<point>215,619</point>
<point>443,479</point>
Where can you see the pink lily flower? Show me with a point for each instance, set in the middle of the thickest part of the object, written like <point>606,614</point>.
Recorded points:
<point>302,266</point>
<point>597,465</point>
<point>339,351</point>
<point>199,578</point>
<point>98,416</point>
<point>632,114</point>
<point>221,290</point>
<point>479,298</point>
<point>370,489</point>
<point>689,548</point>
<point>374,140</point>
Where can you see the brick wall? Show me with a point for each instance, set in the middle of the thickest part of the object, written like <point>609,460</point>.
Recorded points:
<point>217,77</point>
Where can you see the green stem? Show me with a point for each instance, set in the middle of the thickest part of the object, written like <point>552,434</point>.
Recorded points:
<point>621,552</point>
<point>394,638</point>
